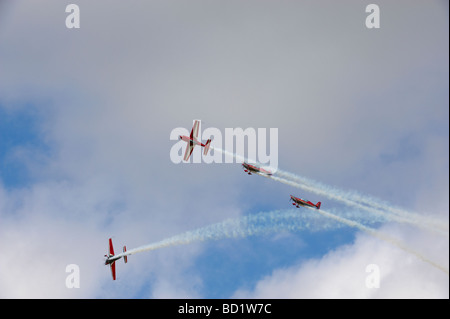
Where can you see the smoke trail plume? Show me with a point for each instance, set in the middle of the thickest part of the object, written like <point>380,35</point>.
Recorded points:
<point>250,225</point>
<point>387,215</point>
<point>366,202</point>
<point>353,199</point>
<point>255,224</point>
<point>276,221</point>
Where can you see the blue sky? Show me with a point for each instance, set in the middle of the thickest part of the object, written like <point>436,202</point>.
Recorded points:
<point>19,129</point>
<point>86,116</point>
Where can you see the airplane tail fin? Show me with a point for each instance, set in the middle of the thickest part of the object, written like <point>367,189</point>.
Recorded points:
<point>318,205</point>
<point>207,145</point>
<point>125,259</point>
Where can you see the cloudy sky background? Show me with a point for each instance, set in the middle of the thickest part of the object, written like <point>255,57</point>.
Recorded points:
<point>86,115</point>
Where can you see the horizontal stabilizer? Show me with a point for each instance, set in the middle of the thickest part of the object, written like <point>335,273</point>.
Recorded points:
<point>207,145</point>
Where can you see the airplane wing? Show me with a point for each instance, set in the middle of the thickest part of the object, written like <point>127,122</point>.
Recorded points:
<point>111,249</point>
<point>194,131</point>
<point>188,152</point>
<point>113,270</point>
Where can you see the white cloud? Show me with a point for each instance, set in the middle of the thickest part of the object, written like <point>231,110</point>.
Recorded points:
<point>39,242</point>
<point>342,272</point>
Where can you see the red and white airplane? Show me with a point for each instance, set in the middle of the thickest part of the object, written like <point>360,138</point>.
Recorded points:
<point>111,259</point>
<point>192,141</point>
<point>249,169</point>
<point>298,201</point>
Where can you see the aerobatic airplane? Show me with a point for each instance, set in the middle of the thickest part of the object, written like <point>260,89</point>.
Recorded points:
<point>298,201</point>
<point>192,141</point>
<point>249,169</point>
<point>111,259</point>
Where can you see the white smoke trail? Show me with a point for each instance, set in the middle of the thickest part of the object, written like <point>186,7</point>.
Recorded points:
<point>276,221</point>
<point>255,224</point>
<point>231,154</point>
<point>358,200</point>
<point>353,198</point>
<point>391,217</point>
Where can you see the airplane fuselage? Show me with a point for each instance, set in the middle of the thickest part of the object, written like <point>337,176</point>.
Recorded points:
<point>304,203</point>
<point>254,169</point>
<point>299,201</point>
<point>110,259</point>
<point>192,141</point>
<point>250,167</point>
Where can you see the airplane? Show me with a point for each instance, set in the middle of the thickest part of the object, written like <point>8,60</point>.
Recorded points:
<point>298,201</point>
<point>192,141</point>
<point>111,259</point>
<point>249,169</point>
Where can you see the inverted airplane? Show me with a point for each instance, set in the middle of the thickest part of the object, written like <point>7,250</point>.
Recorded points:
<point>192,140</point>
<point>249,169</point>
<point>111,259</point>
<point>298,201</point>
